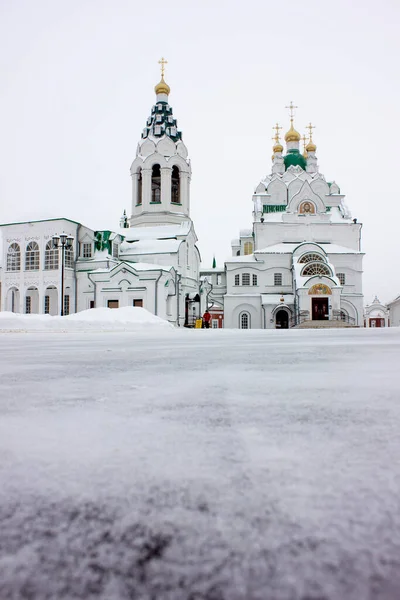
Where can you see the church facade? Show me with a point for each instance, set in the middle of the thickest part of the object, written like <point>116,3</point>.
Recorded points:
<point>151,261</point>
<point>301,261</point>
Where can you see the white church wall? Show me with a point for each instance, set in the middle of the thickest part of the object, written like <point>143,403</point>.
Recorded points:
<point>235,306</point>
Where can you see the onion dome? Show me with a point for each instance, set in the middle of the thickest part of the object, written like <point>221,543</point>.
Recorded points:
<point>292,135</point>
<point>277,148</point>
<point>162,87</point>
<point>311,147</point>
<point>294,159</point>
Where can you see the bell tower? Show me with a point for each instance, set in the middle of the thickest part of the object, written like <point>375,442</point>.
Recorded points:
<point>161,171</point>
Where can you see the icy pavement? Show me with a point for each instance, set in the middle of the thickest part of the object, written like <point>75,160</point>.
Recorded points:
<point>188,465</point>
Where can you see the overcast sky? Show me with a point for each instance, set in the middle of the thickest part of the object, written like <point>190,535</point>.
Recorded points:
<point>77,84</point>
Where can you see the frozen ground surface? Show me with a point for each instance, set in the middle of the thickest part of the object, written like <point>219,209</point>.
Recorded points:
<point>188,465</point>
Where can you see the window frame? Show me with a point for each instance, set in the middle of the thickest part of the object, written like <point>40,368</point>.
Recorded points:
<point>32,256</point>
<point>278,279</point>
<point>13,257</point>
<point>246,279</point>
<point>342,278</point>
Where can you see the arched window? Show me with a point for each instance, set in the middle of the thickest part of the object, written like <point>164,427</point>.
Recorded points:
<point>139,187</point>
<point>50,257</point>
<point>311,257</point>
<point>156,184</point>
<point>175,186</point>
<point>14,258</point>
<point>244,321</point>
<point>316,268</point>
<point>32,257</point>
<point>248,248</point>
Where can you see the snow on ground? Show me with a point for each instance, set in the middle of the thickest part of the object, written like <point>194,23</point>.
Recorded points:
<point>128,318</point>
<point>188,465</point>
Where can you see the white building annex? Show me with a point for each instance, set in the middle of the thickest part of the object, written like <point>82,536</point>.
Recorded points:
<point>394,312</point>
<point>152,261</point>
<point>302,260</point>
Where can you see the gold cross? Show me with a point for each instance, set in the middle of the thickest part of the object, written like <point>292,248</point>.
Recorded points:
<point>162,62</point>
<point>276,136</point>
<point>310,128</point>
<point>291,107</point>
<point>304,142</point>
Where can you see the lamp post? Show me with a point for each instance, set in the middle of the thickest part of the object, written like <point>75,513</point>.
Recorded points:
<point>62,241</point>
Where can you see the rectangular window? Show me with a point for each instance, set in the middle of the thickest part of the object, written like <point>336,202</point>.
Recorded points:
<point>69,258</point>
<point>138,302</point>
<point>278,279</point>
<point>112,303</point>
<point>115,250</point>
<point>66,305</point>
<point>47,305</point>
<point>214,324</point>
<point>87,250</point>
<point>237,279</point>
<point>342,278</point>
<point>28,305</point>
<point>255,280</point>
<point>219,278</point>
<point>246,279</point>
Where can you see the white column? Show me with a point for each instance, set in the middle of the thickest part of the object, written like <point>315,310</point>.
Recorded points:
<point>135,177</point>
<point>185,191</point>
<point>166,174</point>
<point>146,188</point>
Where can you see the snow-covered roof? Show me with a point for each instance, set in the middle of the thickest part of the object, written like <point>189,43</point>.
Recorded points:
<point>158,232</point>
<point>150,246</point>
<point>288,247</point>
<point>247,258</point>
<point>138,266</point>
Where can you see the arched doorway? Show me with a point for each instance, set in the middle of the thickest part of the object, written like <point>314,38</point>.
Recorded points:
<point>51,305</point>
<point>32,301</point>
<point>282,319</point>
<point>12,300</point>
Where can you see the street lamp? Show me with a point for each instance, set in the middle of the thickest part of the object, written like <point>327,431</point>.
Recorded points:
<point>62,241</point>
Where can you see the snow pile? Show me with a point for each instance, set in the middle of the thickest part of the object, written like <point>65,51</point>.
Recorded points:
<point>128,318</point>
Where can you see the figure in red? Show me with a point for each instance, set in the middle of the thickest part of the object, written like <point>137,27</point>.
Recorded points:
<point>206,319</point>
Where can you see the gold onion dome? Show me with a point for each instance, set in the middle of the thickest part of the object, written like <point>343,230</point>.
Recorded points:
<point>311,147</point>
<point>277,148</point>
<point>292,135</point>
<point>162,87</point>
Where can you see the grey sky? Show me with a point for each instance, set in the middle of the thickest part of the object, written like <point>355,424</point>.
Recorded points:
<point>76,87</point>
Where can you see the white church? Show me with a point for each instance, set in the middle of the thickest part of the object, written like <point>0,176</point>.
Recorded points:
<point>300,262</point>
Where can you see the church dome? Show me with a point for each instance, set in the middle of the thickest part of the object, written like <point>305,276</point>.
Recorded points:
<point>311,147</point>
<point>294,158</point>
<point>162,87</point>
<point>292,135</point>
<point>277,148</point>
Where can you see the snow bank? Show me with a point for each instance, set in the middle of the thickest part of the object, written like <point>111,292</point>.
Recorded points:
<point>128,318</point>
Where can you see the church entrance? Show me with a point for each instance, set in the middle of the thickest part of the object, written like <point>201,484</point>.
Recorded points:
<point>320,309</point>
<point>282,320</point>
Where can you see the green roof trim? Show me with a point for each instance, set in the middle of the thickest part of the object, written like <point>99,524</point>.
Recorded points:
<point>40,221</point>
<point>294,158</point>
<point>102,240</point>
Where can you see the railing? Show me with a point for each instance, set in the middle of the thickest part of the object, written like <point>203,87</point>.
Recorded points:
<point>303,315</point>
<point>339,315</point>
<point>336,315</point>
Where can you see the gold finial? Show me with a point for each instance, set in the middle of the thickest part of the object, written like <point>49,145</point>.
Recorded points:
<point>310,128</point>
<point>311,147</point>
<point>276,128</point>
<point>292,135</point>
<point>304,139</point>
<point>162,87</point>
<point>277,146</point>
<point>291,107</point>
<point>162,62</point>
